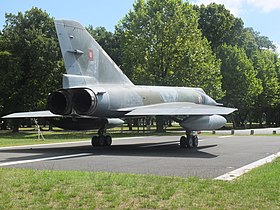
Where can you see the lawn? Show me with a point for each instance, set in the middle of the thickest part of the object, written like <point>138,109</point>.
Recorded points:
<point>35,189</point>
<point>7,138</point>
<point>32,189</point>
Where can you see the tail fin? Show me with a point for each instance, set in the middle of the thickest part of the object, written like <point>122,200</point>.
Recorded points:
<point>85,61</point>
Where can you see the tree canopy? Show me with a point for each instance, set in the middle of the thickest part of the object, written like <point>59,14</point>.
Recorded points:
<point>218,25</point>
<point>248,63</point>
<point>161,45</point>
<point>31,63</point>
<point>158,42</point>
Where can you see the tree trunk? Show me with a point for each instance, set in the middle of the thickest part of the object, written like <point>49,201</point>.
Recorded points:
<point>129,122</point>
<point>234,124</point>
<point>50,126</point>
<point>15,125</point>
<point>160,123</point>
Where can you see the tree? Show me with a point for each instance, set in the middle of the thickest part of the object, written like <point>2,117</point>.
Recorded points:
<point>32,61</point>
<point>9,69</point>
<point>251,41</point>
<point>229,39</point>
<point>264,63</point>
<point>162,45</point>
<point>277,108</point>
<point>263,42</point>
<point>218,25</point>
<point>239,81</point>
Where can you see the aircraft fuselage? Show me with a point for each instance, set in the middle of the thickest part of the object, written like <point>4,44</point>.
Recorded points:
<point>111,101</point>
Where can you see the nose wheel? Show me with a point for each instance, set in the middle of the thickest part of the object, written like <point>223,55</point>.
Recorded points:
<point>189,141</point>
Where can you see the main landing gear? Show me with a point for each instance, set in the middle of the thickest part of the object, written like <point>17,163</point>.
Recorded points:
<point>101,140</point>
<point>189,141</point>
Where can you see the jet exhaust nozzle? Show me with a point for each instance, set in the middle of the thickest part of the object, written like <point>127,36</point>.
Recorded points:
<point>59,102</point>
<point>84,102</point>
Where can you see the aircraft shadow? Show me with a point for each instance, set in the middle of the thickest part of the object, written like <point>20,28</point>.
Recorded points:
<point>168,149</point>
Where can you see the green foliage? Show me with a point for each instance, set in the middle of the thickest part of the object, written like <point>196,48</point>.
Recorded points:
<point>162,45</point>
<point>32,64</point>
<point>263,42</point>
<point>252,41</point>
<point>267,101</point>
<point>249,80</point>
<point>239,77</point>
<point>264,63</point>
<point>248,42</point>
<point>218,25</point>
<point>261,51</point>
<point>9,71</point>
<point>239,80</point>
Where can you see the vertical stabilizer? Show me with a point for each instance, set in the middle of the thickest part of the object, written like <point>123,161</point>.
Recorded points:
<point>84,58</point>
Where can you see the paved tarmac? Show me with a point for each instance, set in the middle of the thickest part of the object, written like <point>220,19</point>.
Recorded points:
<point>158,155</point>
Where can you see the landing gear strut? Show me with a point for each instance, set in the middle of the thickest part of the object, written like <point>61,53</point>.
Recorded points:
<point>102,139</point>
<point>189,141</point>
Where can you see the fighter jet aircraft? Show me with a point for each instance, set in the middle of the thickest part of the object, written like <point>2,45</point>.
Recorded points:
<point>96,94</point>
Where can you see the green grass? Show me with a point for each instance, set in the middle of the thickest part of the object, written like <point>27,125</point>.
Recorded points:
<point>32,189</point>
<point>7,138</point>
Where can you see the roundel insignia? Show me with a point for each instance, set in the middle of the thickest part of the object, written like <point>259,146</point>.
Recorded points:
<point>90,55</point>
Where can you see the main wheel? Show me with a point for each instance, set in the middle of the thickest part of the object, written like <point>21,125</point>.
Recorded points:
<point>94,141</point>
<point>183,142</point>
<point>101,141</point>
<point>108,140</point>
<point>195,140</point>
<point>189,141</point>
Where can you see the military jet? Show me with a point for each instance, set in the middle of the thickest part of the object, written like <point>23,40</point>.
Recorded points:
<point>96,94</point>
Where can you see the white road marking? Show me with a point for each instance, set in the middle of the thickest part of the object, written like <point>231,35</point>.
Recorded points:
<point>240,171</point>
<point>43,159</point>
<point>223,137</point>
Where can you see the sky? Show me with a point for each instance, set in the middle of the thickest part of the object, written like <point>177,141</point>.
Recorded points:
<point>261,15</point>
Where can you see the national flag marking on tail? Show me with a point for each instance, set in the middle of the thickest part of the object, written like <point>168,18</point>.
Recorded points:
<point>90,55</point>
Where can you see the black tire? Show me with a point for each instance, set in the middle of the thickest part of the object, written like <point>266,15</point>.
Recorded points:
<point>94,141</point>
<point>183,142</point>
<point>101,141</point>
<point>195,140</point>
<point>108,140</point>
<point>189,141</point>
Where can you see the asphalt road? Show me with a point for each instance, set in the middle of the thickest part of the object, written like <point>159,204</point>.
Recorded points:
<point>160,155</point>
